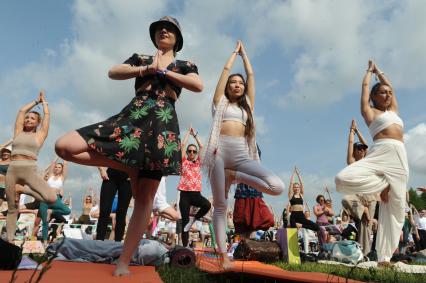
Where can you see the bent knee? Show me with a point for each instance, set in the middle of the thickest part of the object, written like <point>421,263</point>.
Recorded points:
<point>220,206</point>
<point>341,179</point>
<point>276,186</point>
<point>61,148</point>
<point>51,198</point>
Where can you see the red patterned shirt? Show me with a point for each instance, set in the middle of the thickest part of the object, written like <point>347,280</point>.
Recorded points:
<point>190,179</point>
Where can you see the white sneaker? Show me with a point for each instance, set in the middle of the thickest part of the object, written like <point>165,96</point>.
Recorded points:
<point>188,226</point>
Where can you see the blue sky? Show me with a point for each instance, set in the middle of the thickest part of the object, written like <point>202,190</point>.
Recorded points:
<point>308,56</point>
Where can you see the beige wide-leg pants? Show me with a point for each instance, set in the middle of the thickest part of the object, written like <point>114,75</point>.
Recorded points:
<point>385,165</point>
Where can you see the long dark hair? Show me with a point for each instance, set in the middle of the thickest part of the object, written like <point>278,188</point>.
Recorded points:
<point>242,103</point>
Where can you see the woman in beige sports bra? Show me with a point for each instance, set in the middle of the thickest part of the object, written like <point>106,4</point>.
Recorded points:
<point>385,168</point>
<point>27,140</point>
<point>232,145</point>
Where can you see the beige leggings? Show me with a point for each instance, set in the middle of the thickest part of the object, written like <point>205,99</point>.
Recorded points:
<point>24,173</point>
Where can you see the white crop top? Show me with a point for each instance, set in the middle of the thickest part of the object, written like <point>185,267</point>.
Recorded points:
<point>55,183</point>
<point>235,113</point>
<point>383,121</point>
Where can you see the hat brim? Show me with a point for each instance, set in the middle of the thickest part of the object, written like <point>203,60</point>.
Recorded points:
<point>361,145</point>
<point>179,38</point>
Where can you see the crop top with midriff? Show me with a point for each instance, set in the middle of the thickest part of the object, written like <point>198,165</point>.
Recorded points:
<point>235,113</point>
<point>26,144</point>
<point>384,121</point>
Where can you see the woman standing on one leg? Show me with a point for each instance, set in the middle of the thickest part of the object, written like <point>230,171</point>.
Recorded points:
<point>232,145</point>
<point>114,182</point>
<point>143,139</point>
<point>295,196</point>
<point>23,170</point>
<point>385,167</point>
<point>55,179</point>
<point>190,186</point>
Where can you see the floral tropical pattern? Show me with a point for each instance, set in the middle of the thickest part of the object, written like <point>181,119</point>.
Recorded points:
<point>145,133</point>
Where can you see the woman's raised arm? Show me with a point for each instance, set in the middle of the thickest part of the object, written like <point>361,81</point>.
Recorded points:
<point>19,124</point>
<point>45,123</point>
<point>221,84</point>
<point>366,110</point>
<point>251,90</point>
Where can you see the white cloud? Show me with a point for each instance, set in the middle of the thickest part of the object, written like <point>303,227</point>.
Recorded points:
<point>415,143</point>
<point>331,41</point>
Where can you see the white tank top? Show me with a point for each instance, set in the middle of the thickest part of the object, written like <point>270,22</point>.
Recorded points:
<point>383,121</point>
<point>235,113</point>
<point>55,183</point>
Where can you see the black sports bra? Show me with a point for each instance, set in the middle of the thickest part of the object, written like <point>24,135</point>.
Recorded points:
<point>296,201</point>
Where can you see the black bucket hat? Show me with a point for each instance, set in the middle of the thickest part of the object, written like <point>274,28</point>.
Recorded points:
<point>175,23</point>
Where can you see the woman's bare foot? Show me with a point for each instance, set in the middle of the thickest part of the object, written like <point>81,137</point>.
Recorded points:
<point>384,195</point>
<point>121,270</point>
<point>226,262</point>
<point>229,178</point>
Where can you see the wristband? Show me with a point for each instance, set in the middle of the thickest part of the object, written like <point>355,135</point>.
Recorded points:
<point>162,73</point>
<point>36,102</point>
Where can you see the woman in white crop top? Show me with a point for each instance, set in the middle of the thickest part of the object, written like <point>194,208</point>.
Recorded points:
<point>384,169</point>
<point>231,145</point>
<point>57,174</point>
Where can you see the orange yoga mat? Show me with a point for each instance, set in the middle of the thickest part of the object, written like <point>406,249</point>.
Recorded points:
<point>207,261</point>
<point>72,272</point>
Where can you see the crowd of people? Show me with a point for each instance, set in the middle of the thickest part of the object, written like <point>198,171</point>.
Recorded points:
<point>136,149</point>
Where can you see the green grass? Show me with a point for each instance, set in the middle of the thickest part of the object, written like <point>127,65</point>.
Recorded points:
<point>361,274</point>
<point>176,275</point>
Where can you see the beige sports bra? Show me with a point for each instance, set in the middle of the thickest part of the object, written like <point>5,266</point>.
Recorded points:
<point>235,113</point>
<point>26,144</point>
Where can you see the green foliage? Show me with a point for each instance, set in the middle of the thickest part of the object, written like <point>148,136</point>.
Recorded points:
<point>419,201</point>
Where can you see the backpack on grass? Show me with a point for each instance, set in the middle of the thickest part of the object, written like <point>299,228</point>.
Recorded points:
<point>347,252</point>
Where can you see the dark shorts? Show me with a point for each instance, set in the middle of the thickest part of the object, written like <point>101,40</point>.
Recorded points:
<point>151,174</point>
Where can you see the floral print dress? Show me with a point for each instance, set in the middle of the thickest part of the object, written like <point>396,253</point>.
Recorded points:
<point>145,134</point>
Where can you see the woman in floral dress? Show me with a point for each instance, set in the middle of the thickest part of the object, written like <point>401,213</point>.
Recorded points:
<point>143,139</point>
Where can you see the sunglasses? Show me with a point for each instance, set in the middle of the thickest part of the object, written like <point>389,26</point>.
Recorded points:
<point>191,151</point>
<point>168,26</point>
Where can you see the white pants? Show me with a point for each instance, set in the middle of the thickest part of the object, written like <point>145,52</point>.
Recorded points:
<point>385,165</point>
<point>160,201</point>
<point>233,154</point>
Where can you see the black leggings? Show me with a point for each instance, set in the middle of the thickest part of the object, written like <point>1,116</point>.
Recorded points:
<point>118,182</point>
<point>299,217</point>
<point>188,199</point>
